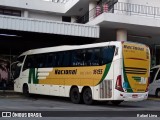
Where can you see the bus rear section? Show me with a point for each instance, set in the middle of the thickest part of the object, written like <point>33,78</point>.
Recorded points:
<point>132,84</point>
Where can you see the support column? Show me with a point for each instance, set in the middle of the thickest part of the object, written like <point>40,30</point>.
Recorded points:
<point>92,9</point>
<point>73,19</point>
<point>26,14</point>
<point>121,35</point>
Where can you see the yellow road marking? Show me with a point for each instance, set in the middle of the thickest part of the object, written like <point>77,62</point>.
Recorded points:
<point>153,98</point>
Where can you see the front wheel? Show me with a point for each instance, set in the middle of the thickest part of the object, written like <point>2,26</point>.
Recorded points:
<point>87,96</point>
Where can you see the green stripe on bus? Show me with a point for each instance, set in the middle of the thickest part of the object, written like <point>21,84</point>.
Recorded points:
<point>129,89</point>
<point>138,79</point>
<point>33,76</point>
<point>105,72</point>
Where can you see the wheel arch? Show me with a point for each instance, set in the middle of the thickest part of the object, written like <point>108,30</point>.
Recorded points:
<point>25,85</point>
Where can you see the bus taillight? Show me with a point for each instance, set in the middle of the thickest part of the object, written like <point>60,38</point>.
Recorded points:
<point>119,83</point>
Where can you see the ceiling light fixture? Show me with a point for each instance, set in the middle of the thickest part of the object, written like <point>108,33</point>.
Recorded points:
<point>9,35</point>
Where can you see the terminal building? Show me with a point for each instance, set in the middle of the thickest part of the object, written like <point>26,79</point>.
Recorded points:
<point>29,24</point>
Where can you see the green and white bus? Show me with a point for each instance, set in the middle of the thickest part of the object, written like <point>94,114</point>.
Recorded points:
<point>110,71</point>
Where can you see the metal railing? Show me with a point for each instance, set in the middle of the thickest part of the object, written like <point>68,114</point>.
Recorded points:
<point>121,8</point>
<point>132,9</point>
<point>93,13</point>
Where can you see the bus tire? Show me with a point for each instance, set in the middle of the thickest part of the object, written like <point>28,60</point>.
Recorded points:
<point>116,102</point>
<point>25,90</point>
<point>158,93</point>
<point>87,96</point>
<point>75,96</point>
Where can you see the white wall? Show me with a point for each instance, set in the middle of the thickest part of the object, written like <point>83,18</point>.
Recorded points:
<point>45,16</point>
<point>39,5</point>
<point>154,3</point>
<point>70,4</point>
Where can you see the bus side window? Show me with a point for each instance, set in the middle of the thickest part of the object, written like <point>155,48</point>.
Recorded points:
<point>67,59</point>
<point>96,59</point>
<point>59,59</point>
<point>50,62</point>
<point>89,57</point>
<point>73,58</point>
<point>79,58</point>
<point>29,63</point>
<point>107,54</point>
<point>41,60</point>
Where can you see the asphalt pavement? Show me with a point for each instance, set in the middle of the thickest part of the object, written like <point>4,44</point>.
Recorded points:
<point>61,108</point>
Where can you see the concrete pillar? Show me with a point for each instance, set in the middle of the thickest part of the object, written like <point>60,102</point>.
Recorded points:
<point>121,35</point>
<point>92,12</point>
<point>26,14</point>
<point>73,19</point>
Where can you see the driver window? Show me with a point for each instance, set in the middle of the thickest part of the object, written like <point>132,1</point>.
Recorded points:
<point>15,69</point>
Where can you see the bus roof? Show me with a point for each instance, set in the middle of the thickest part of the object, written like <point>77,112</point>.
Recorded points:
<point>68,47</point>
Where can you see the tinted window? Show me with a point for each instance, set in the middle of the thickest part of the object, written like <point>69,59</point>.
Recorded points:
<point>59,59</point>
<point>152,74</point>
<point>20,59</point>
<point>30,62</point>
<point>15,69</point>
<point>40,60</point>
<point>51,60</point>
<point>107,54</point>
<point>78,57</point>
<point>67,59</point>
<point>92,57</point>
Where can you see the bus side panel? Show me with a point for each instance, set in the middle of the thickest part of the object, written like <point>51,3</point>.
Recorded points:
<point>104,90</point>
<point>24,79</point>
<point>117,71</point>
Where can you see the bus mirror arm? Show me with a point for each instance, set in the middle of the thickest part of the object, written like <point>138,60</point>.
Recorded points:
<point>19,64</point>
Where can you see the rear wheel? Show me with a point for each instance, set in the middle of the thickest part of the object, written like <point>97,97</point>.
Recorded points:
<point>158,93</point>
<point>75,95</point>
<point>116,102</point>
<point>87,96</point>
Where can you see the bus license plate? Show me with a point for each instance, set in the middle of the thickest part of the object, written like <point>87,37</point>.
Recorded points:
<point>134,96</point>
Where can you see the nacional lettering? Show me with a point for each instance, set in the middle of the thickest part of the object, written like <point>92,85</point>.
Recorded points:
<point>67,72</point>
<point>133,48</point>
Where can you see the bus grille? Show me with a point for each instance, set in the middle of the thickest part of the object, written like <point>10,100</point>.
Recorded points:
<point>133,70</point>
<point>106,89</point>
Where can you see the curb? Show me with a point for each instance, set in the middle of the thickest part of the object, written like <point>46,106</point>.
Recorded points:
<point>153,98</point>
<point>9,93</point>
